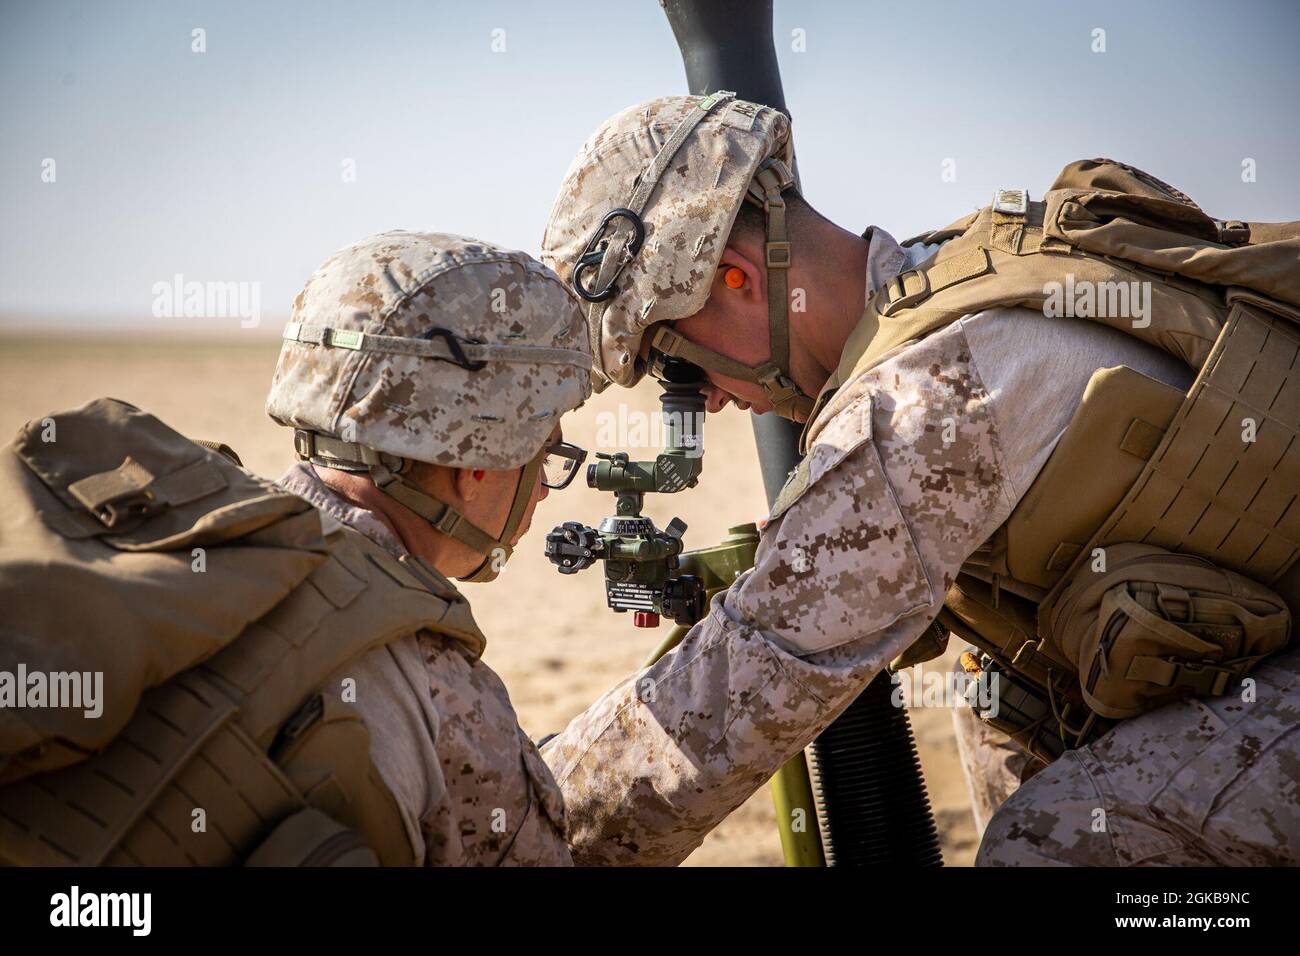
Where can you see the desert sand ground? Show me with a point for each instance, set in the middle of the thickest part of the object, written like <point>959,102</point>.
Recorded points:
<point>552,640</point>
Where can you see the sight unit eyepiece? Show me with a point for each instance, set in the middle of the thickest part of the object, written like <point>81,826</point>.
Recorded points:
<point>641,560</point>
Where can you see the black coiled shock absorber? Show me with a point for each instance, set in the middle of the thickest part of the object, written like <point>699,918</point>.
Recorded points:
<point>871,797</point>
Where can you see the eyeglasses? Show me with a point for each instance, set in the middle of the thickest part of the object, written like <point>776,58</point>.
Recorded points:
<point>561,463</point>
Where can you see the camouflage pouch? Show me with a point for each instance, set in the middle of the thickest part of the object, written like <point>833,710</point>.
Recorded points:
<point>1156,626</point>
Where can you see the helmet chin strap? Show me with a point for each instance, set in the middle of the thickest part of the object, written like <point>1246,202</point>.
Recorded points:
<point>388,476</point>
<point>445,519</point>
<point>788,400</point>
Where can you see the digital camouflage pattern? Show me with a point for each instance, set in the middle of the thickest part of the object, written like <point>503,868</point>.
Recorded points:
<point>687,219</point>
<point>406,284</point>
<point>992,763</point>
<point>903,481</point>
<point>1201,782</point>
<point>501,804</point>
<point>443,734</point>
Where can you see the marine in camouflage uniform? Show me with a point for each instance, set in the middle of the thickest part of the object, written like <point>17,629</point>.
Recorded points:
<point>910,468</point>
<point>370,386</point>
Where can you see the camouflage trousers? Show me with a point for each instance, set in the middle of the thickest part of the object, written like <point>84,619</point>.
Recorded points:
<point>1205,781</point>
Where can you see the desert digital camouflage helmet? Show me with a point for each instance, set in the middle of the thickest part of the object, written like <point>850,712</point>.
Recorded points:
<point>429,347</point>
<point>642,220</point>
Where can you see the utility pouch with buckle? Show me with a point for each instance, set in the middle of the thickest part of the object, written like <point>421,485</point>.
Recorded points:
<point>1156,626</point>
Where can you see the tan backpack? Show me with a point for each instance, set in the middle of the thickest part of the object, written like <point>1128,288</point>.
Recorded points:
<point>1213,472</point>
<point>173,630</point>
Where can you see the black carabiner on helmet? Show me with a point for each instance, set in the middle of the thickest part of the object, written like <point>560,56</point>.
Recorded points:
<point>594,255</point>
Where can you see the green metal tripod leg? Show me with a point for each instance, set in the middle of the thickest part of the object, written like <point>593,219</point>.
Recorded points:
<point>796,814</point>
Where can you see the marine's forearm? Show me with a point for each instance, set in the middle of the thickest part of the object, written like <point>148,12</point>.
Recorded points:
<point>854,564</point>
<point>661,759</point>
<point>665,756</point>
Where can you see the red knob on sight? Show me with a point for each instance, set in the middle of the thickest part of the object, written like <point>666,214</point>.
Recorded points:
<point>645,619</point>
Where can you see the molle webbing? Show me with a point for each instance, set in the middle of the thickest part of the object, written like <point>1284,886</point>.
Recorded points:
<point>134,803</point>
<point>200,741</point>
<point>1039,704</point>
<point>1214,473</point>
<point>1224,480</point>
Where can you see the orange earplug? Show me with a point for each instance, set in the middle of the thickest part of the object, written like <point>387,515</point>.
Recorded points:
<point>733,277</point>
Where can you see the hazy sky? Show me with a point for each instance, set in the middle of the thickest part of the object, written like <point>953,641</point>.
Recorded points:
<point>227,165</point>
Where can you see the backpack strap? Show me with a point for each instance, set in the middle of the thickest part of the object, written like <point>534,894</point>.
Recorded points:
<point>1013,254</point>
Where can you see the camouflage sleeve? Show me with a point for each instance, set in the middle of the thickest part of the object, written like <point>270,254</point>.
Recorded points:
<point>902,482</point>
